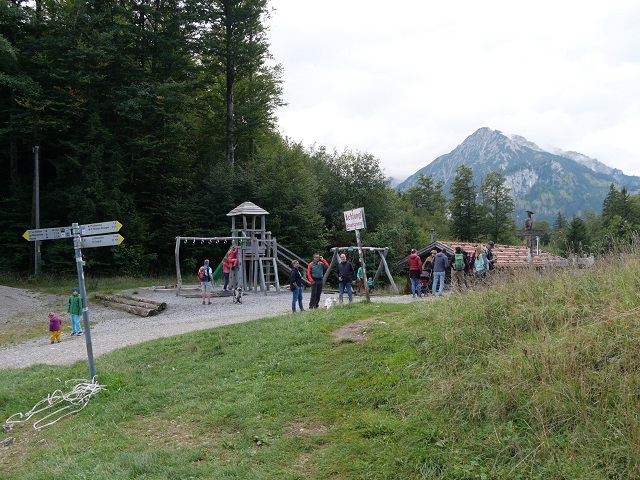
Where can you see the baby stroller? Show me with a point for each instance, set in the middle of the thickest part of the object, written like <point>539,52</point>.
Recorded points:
<point>425,281</point>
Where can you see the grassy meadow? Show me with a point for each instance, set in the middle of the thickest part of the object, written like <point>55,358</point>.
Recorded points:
<point>535,377</point>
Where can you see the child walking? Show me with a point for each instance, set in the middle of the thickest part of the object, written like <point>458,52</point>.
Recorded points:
<point>54,327</point>
<point>75,310</point>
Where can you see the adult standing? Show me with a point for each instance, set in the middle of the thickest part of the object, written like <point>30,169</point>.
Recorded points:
<point>415,269</point>
<point>490,254</point>
<point>427,268</point>
<point>345,273</point>
<point>74,308</point>
<point>480,263</point>
<point>458,267</point>
<point>315,275</point>
<point>296,286</point>
<point>360,277</point>
<point>440,264</point>
<point>204,276</point>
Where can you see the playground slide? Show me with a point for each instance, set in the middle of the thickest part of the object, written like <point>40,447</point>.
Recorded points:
<point>217,273</point>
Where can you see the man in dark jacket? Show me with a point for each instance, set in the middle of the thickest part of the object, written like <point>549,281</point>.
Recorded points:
<point>440,264</point>
<point>345,273</point>
<point>296,286</point>
<point>315,274</point>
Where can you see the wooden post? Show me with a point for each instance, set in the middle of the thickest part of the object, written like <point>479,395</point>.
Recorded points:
<point>364,268</point>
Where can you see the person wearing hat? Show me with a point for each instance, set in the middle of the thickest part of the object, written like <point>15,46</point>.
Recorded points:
<point>427,269</point>
<point>75,310</point>
<point>491,257</point>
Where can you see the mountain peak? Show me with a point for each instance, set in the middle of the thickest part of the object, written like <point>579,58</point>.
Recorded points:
<point>541,181</point>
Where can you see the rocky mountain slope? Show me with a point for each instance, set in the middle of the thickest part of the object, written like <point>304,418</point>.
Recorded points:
<point>541,181</point>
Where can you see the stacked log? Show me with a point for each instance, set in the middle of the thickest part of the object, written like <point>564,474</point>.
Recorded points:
<point>143,308</point>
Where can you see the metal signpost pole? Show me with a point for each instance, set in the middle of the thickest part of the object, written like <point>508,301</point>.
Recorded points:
<point>77,243</point>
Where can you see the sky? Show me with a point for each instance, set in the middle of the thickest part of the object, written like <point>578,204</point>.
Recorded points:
<point>407,81</point>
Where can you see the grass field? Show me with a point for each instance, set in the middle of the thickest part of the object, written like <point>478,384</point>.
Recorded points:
<point>536,377</point>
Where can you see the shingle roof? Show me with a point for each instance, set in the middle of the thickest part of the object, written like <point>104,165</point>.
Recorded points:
<point>506,255</point>
<point>247,208</point>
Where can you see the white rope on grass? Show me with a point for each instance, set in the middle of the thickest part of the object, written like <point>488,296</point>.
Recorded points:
<point>75,400</point>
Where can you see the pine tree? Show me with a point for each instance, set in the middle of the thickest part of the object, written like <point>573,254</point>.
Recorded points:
<point>498,208</point>
<point>577,239</point>
<point>236,53</point>
<point>463,206</point>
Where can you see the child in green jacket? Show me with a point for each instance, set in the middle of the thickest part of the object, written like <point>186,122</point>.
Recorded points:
<point>75,310</point>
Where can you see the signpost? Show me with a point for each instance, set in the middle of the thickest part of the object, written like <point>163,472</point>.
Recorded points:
<point>355,220</point>
<point>102,241</point>
<point>81,238</point>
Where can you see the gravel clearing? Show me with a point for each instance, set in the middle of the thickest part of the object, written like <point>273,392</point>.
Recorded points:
<point>112,329</point>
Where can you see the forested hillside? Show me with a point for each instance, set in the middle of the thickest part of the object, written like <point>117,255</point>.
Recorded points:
<point>160,115</point>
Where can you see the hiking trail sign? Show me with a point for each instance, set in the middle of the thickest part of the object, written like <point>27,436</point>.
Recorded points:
<point>83,236</point>
<point>65,232</point>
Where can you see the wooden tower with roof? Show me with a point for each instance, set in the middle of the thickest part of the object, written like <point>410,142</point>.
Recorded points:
<point>257,250</point>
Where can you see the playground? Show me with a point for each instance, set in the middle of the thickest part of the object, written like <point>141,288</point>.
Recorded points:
<point>257,257</point>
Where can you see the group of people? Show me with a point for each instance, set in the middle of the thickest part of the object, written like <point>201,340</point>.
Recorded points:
<point>428,274</point>
<point>345,275</point>
<point>432,272</point>
<point>74,309</point>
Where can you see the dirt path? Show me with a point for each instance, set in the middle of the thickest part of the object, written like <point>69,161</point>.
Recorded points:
<point>112,329</point>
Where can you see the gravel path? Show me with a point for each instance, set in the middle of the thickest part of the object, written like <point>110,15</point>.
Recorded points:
<point>112,329</point>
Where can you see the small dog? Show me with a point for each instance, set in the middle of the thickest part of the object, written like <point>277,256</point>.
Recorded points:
<point>237,294</point>
<point>330,302</point>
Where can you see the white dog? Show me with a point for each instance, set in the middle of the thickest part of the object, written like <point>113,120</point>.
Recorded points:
<point>330,302</point>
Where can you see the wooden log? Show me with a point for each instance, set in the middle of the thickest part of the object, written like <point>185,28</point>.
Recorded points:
<point>140,311</point>
<point>161,305</point>
<point>133,303</point>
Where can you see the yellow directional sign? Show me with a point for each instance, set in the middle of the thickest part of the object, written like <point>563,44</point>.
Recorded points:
<point>102,240</point>
<point>47,233</point>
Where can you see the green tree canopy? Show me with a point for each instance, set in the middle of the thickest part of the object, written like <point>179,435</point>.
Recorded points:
<point>463,206</point>
<point>498,223</point>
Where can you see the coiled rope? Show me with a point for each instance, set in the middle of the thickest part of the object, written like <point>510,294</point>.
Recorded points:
<point>75,400</point>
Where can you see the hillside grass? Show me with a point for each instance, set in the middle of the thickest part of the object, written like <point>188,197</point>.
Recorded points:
<point>536,377</point>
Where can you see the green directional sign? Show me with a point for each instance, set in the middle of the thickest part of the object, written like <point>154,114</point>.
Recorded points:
<point>102,240</point>
<point>47,233</point>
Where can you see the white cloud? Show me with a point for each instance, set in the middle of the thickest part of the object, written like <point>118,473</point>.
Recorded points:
<point>409,81</point>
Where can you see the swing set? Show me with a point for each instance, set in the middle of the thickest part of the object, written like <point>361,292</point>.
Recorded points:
<point>382,253</point>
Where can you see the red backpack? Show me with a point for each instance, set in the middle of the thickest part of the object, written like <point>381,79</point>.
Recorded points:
<point>203,273</point>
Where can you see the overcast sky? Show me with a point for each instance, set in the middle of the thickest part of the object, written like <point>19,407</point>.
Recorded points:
<point>409,80</point>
